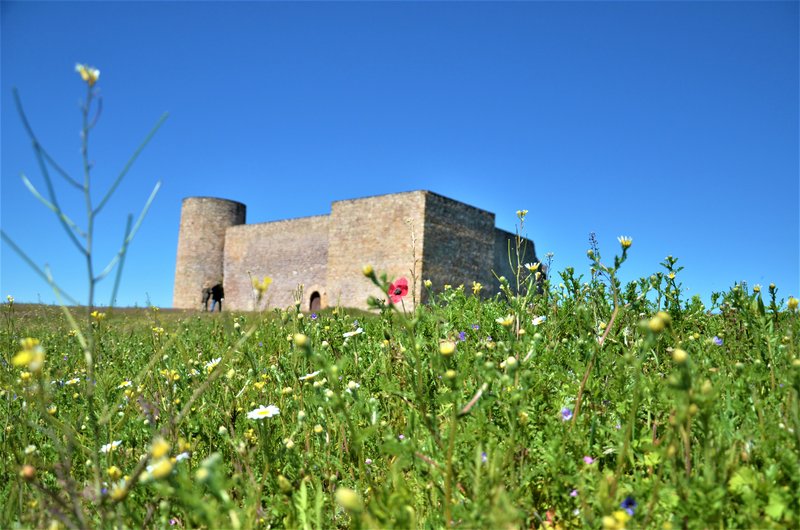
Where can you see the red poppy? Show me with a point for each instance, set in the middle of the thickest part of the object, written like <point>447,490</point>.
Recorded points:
<point>398,290</point>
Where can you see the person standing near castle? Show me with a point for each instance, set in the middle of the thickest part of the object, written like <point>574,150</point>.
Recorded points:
<point>206,297</point>
<point>217,294</point>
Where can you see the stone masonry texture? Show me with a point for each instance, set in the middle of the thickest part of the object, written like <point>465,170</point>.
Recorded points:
<point>418,234</point>
<point>201,241</point>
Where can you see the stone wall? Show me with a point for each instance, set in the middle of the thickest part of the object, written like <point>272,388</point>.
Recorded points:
<point>291,252</point>
<point>458,247</point>
<point>374,230</point>
<point>201,240</point>
<point>453,243</point>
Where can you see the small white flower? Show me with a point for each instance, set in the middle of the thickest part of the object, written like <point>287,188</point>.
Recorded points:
<point>539,320</point>
<point>110,447</point>
<point>124,384</point>
<point>312,375</point>
<point>263,412</point>
<point>30,449</point>
<point>73,381</point>
<point>210,365</point>
<point>353,333</point>
<point>182,456</point>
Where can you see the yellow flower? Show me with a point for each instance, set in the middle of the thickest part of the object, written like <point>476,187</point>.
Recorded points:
<point>792,303</point>
<point>114,472</point>
<point>161,468</point>
<point>625,241</point>
<point>88,74</point>
<point>476,287</point>
<point>98,315</point>
<point>31,355</point>
<point>533,267</point>
<point>505,321</point>
<point>447,347</point>
<point>368,271</point>
<point>428,284</point>
<point>160,448</point>
<point>261,286</point>
<point>118,491</point>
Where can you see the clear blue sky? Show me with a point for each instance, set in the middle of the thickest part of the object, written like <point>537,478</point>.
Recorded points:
<point>675,123</point>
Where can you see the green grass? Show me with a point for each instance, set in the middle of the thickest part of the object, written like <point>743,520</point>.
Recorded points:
<point>476,439</point>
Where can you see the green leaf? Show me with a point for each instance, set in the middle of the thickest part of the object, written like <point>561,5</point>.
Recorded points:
<point>743,478</point>
<point>776,506</point>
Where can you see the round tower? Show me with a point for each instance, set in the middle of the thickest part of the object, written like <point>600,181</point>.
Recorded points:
<point>201,244</point>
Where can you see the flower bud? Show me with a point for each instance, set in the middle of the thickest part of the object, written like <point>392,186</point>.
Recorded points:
<point>679,356</point>
<point>349,500</point>
<point>447,347</point>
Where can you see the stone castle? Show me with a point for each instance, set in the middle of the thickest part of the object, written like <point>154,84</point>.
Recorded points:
<point>439,239</point>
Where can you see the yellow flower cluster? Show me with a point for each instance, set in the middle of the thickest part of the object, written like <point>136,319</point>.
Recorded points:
<point>31,355</point>
<point>616,521</point>
<point>97,315</point>
<point>171,375</point>
<point>660,321</point>
<point>260,287</point>
<point>88,74</point>
<point>476,287</point>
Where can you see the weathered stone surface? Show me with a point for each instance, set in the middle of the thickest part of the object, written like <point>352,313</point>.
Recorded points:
<point>419,235</point>
<point>201,241</point>
<point>290,252</point>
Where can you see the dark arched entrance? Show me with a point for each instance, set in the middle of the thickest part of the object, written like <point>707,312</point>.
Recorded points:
<point>315,304</point>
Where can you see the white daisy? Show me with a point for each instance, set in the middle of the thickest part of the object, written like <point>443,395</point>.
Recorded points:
<point>263,412</point>
<point>352,333</point>
<point>210,365</point>
<point>110,447</point>
<point>312,375</point>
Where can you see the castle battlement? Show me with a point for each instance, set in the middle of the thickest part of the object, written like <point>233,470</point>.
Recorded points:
<point>440,239</point>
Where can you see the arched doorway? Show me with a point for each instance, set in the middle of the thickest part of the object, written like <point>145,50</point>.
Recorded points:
<point>315,304</point>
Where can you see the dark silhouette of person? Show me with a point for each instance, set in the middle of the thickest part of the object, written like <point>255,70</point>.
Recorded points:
<point>206,298</point>
<point>217,294</point>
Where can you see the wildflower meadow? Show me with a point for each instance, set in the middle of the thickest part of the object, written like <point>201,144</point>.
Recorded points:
<point>559,401</point>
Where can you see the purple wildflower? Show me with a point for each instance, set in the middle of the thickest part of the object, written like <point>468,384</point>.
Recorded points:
<point>401,437</point>
<point>629,505</point>
<point>484,458</point>
<point>476,327</point>
<point>313,316</point>
<point>717,340</point>
<point>573,493</point>
<point>566,414</point>
<point>462,336</point>
<point>588,459</point>
<point>368,461</point>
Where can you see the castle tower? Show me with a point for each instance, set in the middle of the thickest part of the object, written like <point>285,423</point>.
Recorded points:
<point>201,245</point>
